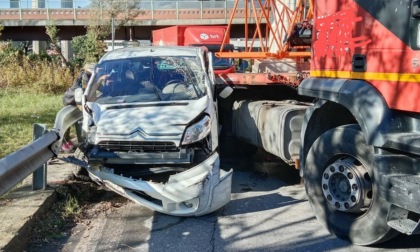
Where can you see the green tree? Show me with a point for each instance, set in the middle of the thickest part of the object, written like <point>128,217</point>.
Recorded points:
<point>52,32</point>
<point>90,47</point>
<point>122,11</point>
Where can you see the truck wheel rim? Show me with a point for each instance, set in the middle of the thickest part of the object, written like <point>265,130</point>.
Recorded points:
<point>347,185</point>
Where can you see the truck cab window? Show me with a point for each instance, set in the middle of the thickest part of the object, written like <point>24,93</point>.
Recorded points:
<point>418,35</point>
<point>415,34</point>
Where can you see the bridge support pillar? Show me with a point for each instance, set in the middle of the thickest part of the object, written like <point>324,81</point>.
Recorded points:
<point>38,3</point>
<point>66,49</point>
<point>39,46</point>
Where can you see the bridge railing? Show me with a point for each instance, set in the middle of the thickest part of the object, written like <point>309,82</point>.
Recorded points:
<point>80,10</point>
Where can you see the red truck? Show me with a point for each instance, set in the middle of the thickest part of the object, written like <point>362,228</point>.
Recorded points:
<point>208,36</point>
<point>351,124</point>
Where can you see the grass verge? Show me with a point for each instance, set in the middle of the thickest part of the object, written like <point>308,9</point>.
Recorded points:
<point>19,111</point>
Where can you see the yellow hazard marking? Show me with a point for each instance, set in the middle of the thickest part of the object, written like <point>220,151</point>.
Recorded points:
<point>402,77</point>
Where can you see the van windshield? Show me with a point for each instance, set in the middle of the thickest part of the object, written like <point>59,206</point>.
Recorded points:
<point>146,79</point>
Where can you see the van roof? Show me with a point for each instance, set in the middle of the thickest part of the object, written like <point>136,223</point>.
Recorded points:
<point>135,52</point>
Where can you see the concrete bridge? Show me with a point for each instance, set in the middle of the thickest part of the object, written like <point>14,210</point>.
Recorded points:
<point>26,19</point>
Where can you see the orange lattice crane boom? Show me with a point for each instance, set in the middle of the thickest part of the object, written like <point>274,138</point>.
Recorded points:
<point>281,25</point>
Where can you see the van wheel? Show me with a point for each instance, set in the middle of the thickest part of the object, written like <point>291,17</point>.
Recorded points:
<point>79,172</point>
<point>340,184</point>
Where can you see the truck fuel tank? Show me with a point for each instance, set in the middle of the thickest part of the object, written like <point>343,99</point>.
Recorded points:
<point>274,126</point>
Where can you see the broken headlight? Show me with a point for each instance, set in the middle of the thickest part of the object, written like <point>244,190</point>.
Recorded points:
<point>91,137</point>
<point>197,131</point>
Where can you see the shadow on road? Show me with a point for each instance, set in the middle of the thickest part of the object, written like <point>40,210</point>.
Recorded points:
<point>268,212</point>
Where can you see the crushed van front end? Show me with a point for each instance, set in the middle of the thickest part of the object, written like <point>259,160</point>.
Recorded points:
<point>199,190</point>
<point>151,130</point>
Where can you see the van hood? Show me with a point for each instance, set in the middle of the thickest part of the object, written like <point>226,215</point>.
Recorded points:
<point>145,121</point>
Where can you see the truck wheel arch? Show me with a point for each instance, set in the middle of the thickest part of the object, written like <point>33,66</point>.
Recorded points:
<point>340,102</point>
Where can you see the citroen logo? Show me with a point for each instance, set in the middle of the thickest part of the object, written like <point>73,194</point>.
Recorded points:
<point>139,131</point>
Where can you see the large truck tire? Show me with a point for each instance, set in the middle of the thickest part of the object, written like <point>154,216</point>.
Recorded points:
<point>340,184</point>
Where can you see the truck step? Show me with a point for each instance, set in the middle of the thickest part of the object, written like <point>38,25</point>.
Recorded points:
<point>409,142</point>
<point>405,226</point>
<point>403,192</point>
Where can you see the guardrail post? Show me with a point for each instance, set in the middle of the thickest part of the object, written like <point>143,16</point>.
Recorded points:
<point>101,10</point>
<point>48,11</point>
<point>39,177</point>
<point>201,9</point>
<point>152,10</point>
<point>20,10</point>
<point>225,9</point>
<point>177,10</point>
<point>74,11</point>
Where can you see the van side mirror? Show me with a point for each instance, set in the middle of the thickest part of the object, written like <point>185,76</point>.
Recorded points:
<point>415,9</point>
<point>225,91</point>
<point>78,96</point>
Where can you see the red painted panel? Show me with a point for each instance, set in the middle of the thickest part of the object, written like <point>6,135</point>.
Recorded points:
<point>204,35</point>
<point>166,36</point>
<point>187,35</point>
<point>342,28</point>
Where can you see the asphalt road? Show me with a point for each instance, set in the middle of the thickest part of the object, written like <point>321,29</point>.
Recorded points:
<point>269,211</point>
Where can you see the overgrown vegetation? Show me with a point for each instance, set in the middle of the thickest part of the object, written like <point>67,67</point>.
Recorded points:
<point>33,73</point>
<point>31,85</point>
<point>88,48</point>
<point>52,32</point>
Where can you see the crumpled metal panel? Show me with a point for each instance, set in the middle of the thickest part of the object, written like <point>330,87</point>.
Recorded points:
<point>197,191</point>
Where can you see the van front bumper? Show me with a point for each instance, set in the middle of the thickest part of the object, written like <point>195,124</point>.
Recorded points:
<point>197,191</point>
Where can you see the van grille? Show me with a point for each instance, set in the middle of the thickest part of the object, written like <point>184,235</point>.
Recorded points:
<point>142,146</point>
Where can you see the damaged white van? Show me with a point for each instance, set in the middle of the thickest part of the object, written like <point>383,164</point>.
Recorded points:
<point>151,129</point>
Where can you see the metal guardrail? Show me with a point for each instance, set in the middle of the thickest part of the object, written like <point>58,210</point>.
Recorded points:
<point>32,158</point>
<point>18,165</point>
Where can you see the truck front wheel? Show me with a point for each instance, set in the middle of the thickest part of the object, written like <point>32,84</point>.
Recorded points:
<point>340,184</point>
